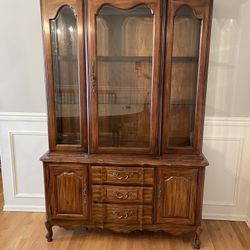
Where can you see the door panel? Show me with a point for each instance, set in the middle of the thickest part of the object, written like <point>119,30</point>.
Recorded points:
<point>65,69</point>
<point>185,75</point>
<point>69,196</point>
<point>124,42</point>
<point>177,192</point>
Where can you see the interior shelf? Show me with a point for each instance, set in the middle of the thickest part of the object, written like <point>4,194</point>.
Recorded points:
<point>184,59</point>
<point>65,58</point>
<point>124,58</point>
<point>184,103</point>
<point>176,59</point>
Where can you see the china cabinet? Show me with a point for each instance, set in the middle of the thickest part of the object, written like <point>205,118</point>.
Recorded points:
<point>126,87</point>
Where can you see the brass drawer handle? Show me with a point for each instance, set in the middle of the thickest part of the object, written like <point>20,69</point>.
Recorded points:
<point>120,196</point>
<point>123,215</point>
<point>121,176</point>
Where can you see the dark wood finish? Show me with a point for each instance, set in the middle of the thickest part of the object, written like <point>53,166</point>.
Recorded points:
<point>122,175</point>
<point>49,11</point>
<point>122,214</point>
<point>202,11</point>
<point>177,191</point>
<point>187,161</point>
<point>49,234</point>
<point>155,188</point>
<point>117,194</point>
<point>93,8</point>
<point>69,196</point>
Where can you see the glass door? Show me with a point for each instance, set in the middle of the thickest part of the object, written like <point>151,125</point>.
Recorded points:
<point>66,80</point>
<point>185,81</point>
<point>124,78</point>
<point>64,49</point>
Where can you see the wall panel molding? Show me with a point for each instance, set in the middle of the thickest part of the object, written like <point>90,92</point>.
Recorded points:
<point>23,208</point>
<point>29,117</point>
<point>12,135</point>
<point>238,159</point>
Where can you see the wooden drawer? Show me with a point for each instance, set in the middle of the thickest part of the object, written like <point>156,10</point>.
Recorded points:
<point>122,175</point>
<point>122,194</point>
<point>121,214</point>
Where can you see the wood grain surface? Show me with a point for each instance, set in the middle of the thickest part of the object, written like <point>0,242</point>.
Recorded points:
<point>23,231</point>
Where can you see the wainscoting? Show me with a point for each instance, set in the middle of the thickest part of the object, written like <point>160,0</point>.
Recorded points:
<point>23,139</point>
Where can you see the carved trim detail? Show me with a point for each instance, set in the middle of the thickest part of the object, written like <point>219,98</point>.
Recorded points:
<point>60,8</point>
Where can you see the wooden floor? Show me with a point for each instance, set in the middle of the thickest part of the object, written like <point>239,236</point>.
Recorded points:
<point>24,231</point>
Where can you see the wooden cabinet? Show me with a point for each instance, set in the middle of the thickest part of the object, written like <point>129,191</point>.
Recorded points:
<point>126,88</point>
<point>177,196</point>
<point>69,191</point>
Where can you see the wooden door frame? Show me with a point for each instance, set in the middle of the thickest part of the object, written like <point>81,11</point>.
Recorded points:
<point>92,9</point>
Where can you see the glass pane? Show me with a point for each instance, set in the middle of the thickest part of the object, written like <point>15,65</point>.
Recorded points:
<point>124,67</point>
<point>65,73</point>
<point>184,78</point>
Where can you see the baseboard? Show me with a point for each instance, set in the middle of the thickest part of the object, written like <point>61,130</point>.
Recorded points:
<point>229,217</point>
<point>24,208</point>
<point>248,222</point>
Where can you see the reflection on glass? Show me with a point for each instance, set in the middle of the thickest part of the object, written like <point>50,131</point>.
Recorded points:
<point>124,75</point>
<point>65,73</point>
<point>184,78</point>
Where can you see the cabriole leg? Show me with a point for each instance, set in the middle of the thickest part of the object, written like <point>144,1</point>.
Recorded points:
<point>197,242</point>
<point>49,235</point>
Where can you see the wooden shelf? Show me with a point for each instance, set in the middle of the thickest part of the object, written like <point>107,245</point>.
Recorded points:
<point>124,58</point>
<point>182,103</point>
<point>176,59</point>
<point>185,59</point>
<point>66,58</point>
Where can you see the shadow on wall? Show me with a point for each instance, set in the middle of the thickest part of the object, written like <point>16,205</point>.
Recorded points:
<point>1,189</point>
<point>229,53</point>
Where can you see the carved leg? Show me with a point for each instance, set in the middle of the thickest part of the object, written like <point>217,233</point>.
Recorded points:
<point>197,242</point>
<point>49,235</point>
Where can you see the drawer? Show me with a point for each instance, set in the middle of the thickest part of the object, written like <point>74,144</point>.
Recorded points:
<point>122,175</point>
<point>122,194</point>
<point>121,214</point>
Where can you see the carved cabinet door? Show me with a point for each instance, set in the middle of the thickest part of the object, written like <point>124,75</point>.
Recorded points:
<point>69,192</point>
<point>177,193</point>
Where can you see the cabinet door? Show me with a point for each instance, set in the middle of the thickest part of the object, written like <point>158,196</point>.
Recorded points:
<point>69,196</point>
<point>177,193</point>
<point>124,43</point>
<point>64,53</point>
<point>188,34</point>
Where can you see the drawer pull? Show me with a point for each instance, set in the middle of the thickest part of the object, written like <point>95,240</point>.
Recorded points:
<point>123,215</point>
<point>120,176</point>
<point>120,196</point>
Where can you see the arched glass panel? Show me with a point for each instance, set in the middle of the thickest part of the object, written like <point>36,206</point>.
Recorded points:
<point>184,77</point>
<point>65,74</point>
<point>124,76</point>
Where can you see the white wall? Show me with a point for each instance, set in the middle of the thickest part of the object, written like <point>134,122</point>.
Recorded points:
<point>229,78</point>
<point>22,87</point>
<point>23,134</point>
<point>248,212</point>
